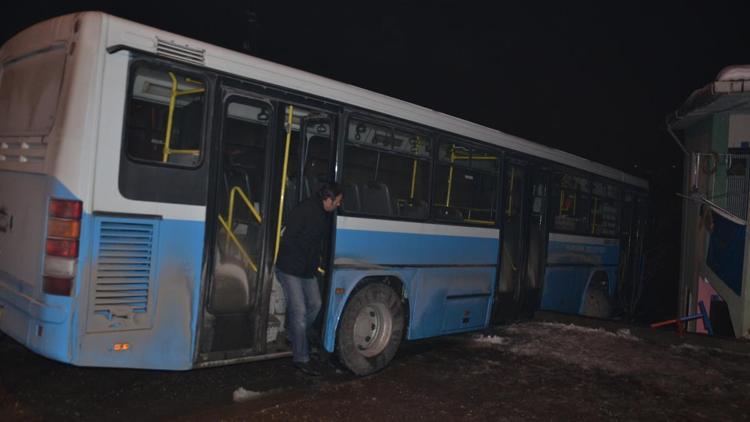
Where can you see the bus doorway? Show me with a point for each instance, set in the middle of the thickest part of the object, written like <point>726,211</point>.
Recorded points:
<point>260,140</point>
<point>523,236</point>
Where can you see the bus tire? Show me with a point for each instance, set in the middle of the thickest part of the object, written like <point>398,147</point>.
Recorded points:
<point>371,329</point>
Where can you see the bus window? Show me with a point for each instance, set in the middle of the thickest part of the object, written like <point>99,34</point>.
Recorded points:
<point>605,209</point>
<point>29,91</point>
<point>386,170</point>
<point>164,117</point>
<point>466,185</point>
<point>572,195</point>
<point>309,161</point>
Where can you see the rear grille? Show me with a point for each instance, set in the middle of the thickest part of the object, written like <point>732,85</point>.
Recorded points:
<point>123,271</point>
<point>180,52</point>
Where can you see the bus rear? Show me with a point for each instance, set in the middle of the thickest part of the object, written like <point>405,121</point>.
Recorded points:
<point>41,188</point>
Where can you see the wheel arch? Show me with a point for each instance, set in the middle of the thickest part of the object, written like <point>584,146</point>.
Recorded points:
<point>338,302</point>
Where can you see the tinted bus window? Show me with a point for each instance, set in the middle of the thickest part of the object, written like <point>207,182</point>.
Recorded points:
<point>466,184</point>
<point>386,170</point>
<point>164,121</point>
<point>572,195</point>
<point>605,209</point>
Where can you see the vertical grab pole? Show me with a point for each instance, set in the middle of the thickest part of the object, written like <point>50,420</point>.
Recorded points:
<point>170,116</point>
<point>509,210</point>
<point>283,179</point>
<point>450,178</point>
<point>413,179</point>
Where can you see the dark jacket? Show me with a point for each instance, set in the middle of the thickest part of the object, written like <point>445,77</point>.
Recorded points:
<point>302,242</point>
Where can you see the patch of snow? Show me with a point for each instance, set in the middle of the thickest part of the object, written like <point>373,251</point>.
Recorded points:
<point>241,395</point>
<point>492,340</point>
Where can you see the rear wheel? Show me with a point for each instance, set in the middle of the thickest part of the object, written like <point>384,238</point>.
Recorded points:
<point>371,329</point>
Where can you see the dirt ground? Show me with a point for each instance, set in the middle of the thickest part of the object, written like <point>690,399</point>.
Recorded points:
<point>552,368</point>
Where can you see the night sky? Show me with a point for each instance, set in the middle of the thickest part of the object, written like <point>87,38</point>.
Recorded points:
<point>593,78</point>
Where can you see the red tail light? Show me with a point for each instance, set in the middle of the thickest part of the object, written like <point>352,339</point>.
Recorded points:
<point>63,233</point>
<point>65,208</point>
<point>58,286</point>
<point>62,247</point>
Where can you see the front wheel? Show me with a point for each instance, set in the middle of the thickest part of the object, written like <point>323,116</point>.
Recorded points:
<point>371,329</point>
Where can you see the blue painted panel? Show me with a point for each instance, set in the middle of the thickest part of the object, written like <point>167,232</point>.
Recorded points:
<point>726,252</point>
<point>170,342</point>
<point>54,326</point>
<point>414,249</point>
<point>580,252</point>
<point>427,290</point>
<point>564,288</point>
<point>571,263</point>
<point>465,313</point>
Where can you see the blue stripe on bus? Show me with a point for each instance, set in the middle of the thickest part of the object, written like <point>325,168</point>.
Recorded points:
<point>389,248</point>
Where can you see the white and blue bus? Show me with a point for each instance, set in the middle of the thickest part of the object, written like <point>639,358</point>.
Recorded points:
<point>144,179</point>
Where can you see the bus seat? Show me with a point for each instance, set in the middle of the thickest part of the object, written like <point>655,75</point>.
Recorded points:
<point>449,214</point>
<point>376,198</point>
<point>415,210</point>
<point>231,289</point>
<point>352,201</point>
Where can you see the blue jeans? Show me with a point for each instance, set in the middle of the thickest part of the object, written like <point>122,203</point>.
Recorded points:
<point>302,307</point>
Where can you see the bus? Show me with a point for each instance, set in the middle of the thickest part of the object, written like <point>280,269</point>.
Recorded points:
<point>145,177</point>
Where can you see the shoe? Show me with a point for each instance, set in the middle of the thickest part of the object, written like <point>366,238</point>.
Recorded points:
<point>307,369</point>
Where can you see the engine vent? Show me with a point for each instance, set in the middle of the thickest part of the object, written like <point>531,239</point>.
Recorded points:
<point>180,52</point>
<point>122,296</point>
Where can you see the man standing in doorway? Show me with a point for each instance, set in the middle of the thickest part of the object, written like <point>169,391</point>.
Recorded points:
<point>298,260</point>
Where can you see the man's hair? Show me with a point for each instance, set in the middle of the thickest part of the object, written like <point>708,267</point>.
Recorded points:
<point>329,190</point>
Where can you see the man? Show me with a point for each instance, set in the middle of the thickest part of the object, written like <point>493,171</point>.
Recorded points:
<point>298,260</point>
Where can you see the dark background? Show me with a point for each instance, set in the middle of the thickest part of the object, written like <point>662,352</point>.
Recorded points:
<point>592,78</point>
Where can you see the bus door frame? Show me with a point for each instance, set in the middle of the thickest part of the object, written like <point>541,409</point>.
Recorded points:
<point>227,88</point>
<point>523,300</point>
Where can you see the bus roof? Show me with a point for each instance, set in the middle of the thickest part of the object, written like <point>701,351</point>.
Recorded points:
<point>124,34</point>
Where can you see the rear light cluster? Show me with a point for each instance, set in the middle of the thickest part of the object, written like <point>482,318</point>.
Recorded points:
<point>63,236</point>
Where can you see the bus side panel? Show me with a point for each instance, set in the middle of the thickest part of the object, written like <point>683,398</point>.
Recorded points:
<point>448,272</point>
<point>572,265</point>
<point>160,327</point>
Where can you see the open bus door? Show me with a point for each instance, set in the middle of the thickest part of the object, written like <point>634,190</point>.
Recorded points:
<point>523,239</point>
<point>257,139</point>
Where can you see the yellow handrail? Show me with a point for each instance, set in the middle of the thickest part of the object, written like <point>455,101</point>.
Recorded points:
<point>472,220</point>
<point>509,210</point>
<point>473,158</point>
<point>236,241</point>
<point>238,190</point>
<point>170,118</point>
<point>413,179</point>
<point>450,178</point>
<point>230,219</point>
<point>283,180</point>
